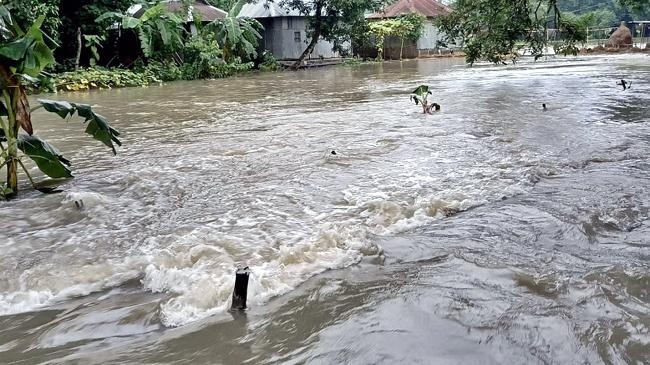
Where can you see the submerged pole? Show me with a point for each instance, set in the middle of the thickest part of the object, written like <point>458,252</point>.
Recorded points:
<point>241,288</point>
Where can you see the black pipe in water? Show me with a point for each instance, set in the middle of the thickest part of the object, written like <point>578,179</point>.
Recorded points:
<point>241,288</point>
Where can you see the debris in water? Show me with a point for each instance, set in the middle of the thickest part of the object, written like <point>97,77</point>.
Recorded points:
<point>544,106</point>
<point>79,204</point>
<point>333,152</point>
<point>626,85</point>
<point>241,288</point>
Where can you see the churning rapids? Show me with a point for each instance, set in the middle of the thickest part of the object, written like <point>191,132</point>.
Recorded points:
<point>489,232</point>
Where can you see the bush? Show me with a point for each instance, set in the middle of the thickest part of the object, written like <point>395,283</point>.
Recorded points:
<point>201,57</point>
<point>102,78</point>
<point>165,71</point>
<point>269,63</point>
<point>229,69</point>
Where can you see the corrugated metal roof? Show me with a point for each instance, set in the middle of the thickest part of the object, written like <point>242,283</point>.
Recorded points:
<point>264,9</point>
<point>428,8</point>
<point>207,12</point>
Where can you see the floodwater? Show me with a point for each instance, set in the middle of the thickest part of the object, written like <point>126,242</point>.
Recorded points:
<point>492,232</point>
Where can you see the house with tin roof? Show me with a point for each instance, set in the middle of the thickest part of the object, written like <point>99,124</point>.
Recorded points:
<point>285,31</point>
<point>429,41</point>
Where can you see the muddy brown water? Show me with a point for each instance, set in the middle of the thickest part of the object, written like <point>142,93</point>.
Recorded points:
<point>492,232</point>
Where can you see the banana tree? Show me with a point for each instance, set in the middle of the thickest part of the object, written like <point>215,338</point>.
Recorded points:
<point>23,57</point>
<point>238,36</point>
<point>156,27</point>
<point>420,95</point>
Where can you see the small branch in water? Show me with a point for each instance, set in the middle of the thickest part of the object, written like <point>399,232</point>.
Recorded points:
<point>27,173</point>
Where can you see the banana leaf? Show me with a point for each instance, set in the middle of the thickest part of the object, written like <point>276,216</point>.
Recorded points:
<point>97,127</point>
<point>47,157</point>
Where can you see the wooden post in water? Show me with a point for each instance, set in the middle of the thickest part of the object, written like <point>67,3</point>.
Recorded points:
<point>241,288</point>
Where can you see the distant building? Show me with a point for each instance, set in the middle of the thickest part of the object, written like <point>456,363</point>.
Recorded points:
<point>428,43</point>
<point>285,31</point>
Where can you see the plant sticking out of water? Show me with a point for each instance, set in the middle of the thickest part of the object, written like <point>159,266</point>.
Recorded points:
<point>24,55</point>
<point>420,95</point>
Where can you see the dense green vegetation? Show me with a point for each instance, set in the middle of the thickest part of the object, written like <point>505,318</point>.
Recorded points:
<point>494,30</point>
<point>24,55</point>
<point>98,44</point>
<point>608,12</point>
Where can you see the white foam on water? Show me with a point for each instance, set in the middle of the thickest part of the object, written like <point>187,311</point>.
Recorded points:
<point>200,277</point>
<point>284,222</point>
<point>282,249</point>
<point>43,287</point>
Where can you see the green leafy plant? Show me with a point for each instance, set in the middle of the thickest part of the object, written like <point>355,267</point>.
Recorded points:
<point>159,71</point>
<point>158,29</point>
<point>409,26</point>
<point>103,78</point>
<point>25,12</point>
<point>238,36</point>
<point>269,63</point>
<point>201,56</point>
<point>24,56</point>
<point>382,29</point>
<point>94,42</point>
<point>420,95</point>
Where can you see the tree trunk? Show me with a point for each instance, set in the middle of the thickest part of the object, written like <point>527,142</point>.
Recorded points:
<point>11,134</point>
<point>12,152</point>
<point>401,49</point>
<point>314,38</point>
<point>12,174</point>
<point>79,45</point>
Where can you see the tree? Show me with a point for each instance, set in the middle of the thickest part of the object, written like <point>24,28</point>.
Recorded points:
<point>24,55</point>
<point>78,18</point>
<point>625,10</point>
<point>491,29</point>
<point>382,29</point>
<point>25,13</point>
<point>494,29</point>
<point>411,27</point>
<point>332,20</point>
<point>408,26</point>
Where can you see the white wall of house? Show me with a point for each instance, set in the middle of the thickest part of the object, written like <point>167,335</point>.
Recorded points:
<point>286,38</point>
<point>430,37</point>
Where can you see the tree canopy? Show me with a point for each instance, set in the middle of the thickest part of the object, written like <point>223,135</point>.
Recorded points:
<point>493,30</point>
